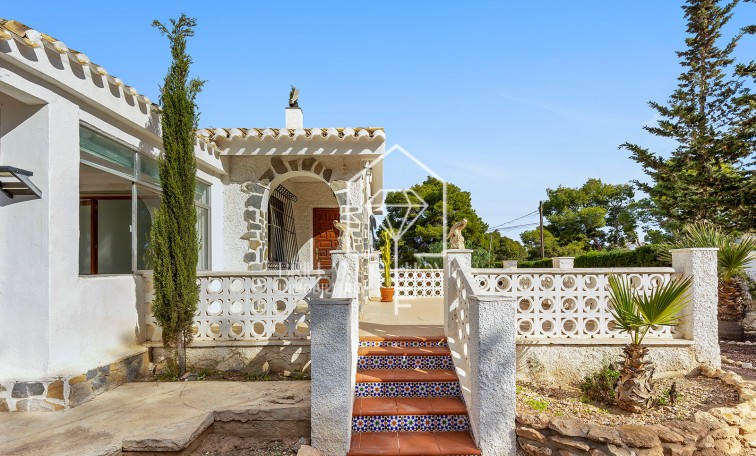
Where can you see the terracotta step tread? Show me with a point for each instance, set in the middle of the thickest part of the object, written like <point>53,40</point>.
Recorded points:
<point>403,338</point>
<point>412,443</point>
<point>406,375</point>
<point>404,351</point>
<point>384,406</point>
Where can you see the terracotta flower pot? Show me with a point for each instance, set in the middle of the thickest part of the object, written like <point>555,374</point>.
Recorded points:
<point>387,294</point>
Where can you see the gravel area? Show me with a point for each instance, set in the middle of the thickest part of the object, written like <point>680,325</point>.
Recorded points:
<point>225,445</point>
<point>695,394</point>
<point>739,353</point>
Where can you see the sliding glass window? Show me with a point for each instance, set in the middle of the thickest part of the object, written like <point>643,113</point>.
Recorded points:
<point>119,192</point>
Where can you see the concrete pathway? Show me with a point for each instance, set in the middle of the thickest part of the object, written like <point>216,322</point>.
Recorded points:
<point>403,317</point>
<point>150,417</point>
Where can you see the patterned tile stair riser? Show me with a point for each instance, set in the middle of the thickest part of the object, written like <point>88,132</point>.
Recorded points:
<point>408,400</point>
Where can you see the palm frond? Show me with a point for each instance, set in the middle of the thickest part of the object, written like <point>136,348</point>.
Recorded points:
<point>662,306</point>
<point>623,305</point>
<point>734,257</point>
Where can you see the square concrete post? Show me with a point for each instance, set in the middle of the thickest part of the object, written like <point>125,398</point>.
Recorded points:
<point>563,262</point>
<point>493,368</point>
<point>464,259</point>
<point>699,321</point>
<point>334,333</point>
<point>374,276</point>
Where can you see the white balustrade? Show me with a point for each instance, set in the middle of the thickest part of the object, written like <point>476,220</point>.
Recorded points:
<point>567,304</point>
<point>254,306</point>
<point>418,282</point>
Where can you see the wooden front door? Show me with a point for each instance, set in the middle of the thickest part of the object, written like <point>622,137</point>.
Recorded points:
<point>324,236</point>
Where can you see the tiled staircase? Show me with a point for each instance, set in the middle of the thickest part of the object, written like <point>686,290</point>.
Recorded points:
<point>408,400</point>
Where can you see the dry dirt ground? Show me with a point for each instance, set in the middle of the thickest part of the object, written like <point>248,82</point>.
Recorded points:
<point>740,353</point>
<point>694,394</point>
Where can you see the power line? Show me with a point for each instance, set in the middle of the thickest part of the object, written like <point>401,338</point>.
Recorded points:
<point>509,228</point>
<point>514,220</point>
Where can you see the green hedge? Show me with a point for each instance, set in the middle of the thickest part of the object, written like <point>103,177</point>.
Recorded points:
<point>545,263</point>
<point>646,256</point>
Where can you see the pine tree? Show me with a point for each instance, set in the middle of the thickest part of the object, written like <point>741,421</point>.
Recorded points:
<point>709,176</point>
<point>174,231</point>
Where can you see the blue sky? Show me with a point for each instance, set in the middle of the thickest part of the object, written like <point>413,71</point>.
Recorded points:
<point>504,99</point>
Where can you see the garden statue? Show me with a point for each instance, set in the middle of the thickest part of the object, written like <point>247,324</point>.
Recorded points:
<point>345,237</point>
<point>457,241</point>
<point>294,97</point>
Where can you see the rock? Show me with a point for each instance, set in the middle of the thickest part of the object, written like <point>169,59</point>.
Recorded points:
<point>667,435</point>
<point>655,451</point>
<point>32,405</point>
<point>189,377</point>
<point>731,378</point>
<point>570,427</point>
<point>604,434</point>
<point>728,446</point>
<point>570,453</point>
<point>55,390</point>
<point>706,442</point>
<point>675,449</point>
<point>724,433</point>
<point>80,393</point>
<point>570,443</point>
<point>534,450</point>
<point>4,405</point>
<point>597,452</point>
<point>726,414</point>
<point>302,441</point>
<point>615,450</point>
<point>539,421</point>
<point>21,390</point>
<point>746,365</point>
<point>639,436</point>
<point>707,419</point>
<point>708,371</point>
<point>689,430</point>
<point>530,433</point>
<point>751,439</point>
<point>307,450</point>
<point>77,379</point>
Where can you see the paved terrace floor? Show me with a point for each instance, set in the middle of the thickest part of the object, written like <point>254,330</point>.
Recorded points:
<point>403,317</point>
<point>150,416</point>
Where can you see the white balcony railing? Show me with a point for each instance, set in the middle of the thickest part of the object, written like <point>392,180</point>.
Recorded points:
<point>418,282</point>
<point>249,306</point>
<point>567,303</point>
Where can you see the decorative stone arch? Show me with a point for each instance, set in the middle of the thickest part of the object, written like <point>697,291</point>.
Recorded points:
<point>256,205</point>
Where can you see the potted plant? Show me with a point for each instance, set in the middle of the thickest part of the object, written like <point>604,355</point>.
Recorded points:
<point>636,313</point>
<point>387,290</point>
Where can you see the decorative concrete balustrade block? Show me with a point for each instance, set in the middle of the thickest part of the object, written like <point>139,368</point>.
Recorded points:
<point>464,260</point>
<point>492,355</point>
<point>699,320</point>
<point>563,262</point>
<point>374,276</point>
<point>345,270</point>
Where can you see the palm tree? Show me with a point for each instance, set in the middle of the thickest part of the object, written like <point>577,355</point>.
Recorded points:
<point>635,314</point>
<point>732,259</point>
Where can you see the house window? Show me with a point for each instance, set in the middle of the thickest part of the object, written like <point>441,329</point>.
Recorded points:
<point>119,192</point>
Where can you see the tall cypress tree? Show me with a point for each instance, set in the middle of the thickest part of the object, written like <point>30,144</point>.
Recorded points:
<point>709,176</point>
<point>174,231</point>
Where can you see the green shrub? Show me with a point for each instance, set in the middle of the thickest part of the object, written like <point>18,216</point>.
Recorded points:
<point>539,405</point>
<point>545,263</point>
<point>599,386</point>
<point>646,256</point>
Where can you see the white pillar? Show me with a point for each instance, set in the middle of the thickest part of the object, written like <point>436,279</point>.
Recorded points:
<point>563,262</point>
<point>334,321</point>
<point>699,321</point>
<point>493,369</point>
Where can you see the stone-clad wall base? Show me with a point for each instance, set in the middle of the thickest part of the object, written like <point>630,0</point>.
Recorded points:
<point>250,358</point>
<point>64,392</point>
<point>720,431</point>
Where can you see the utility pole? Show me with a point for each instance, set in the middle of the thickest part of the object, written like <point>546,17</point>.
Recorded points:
<point>540,212</point>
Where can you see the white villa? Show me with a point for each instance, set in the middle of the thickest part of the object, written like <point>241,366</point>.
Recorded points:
<point>266,200</point>
<point>79,186</point>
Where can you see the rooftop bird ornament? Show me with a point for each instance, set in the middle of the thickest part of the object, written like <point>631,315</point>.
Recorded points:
<point>294,97</point>
<point>457,241</point>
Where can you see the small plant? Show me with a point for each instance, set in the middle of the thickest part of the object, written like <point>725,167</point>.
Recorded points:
<point>300,375</point>
<point>259,376</point>
<point>662,399</point>
<point>539,405</point>
<point>519,389</point>
<point>599,386</point>
<point>171,372</point>
<point>205,372</point>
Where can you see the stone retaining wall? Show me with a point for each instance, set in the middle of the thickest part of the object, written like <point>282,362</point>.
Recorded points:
<point>64,392</point>
<point>245,358</point>
<point>720,431</point>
